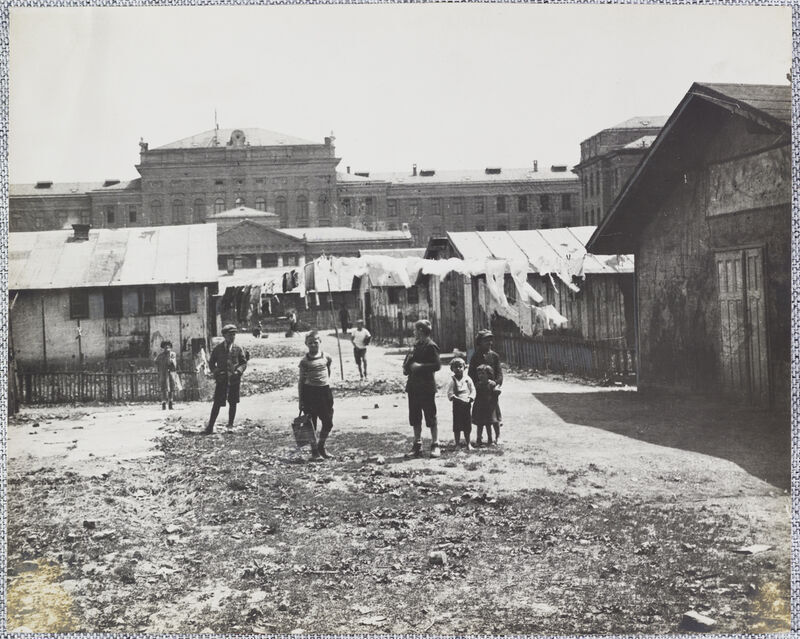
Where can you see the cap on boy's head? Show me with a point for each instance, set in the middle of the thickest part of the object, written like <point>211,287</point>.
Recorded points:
<point>456,361</point>
<point>360,322</point>
<point>166,343</point>
<point>482,335</point>
<point>229,328</point>
<point>312,334</point>
<point>423,325</point>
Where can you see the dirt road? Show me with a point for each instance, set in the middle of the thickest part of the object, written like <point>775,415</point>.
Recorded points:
<point>600,511</point>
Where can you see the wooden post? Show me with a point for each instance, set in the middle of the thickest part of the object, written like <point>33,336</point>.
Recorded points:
<point>469,319</point>
<point>335,329</point>
<point>44,336</point>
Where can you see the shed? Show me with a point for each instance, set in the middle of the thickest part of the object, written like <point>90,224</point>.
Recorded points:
<point>707,215</point>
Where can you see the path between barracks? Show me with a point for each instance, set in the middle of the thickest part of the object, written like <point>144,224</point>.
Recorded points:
<point>600,511</point>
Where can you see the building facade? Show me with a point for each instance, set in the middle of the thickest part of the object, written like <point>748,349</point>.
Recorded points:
<point>707,214</point>
<point>196,179</point>
<point>608,159</point>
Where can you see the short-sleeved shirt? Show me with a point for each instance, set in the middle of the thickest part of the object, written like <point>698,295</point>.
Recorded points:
<point>360,337</point>
<point>314,372</point>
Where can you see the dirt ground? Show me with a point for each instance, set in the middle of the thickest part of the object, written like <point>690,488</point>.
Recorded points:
<point>601,511</point>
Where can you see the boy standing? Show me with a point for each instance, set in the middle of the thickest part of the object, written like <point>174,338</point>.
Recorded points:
<point>462,393</point>
<point>360,337</point>
<point>314,392</point>
<point>227,363</point>
<point>420,365</point>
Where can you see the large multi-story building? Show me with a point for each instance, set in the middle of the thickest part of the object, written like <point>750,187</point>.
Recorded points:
<point>198,177</point>
<point>608,159</point>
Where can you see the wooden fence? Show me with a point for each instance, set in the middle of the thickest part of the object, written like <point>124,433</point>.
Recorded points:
<point>78,387</point>
<point>560,354</point>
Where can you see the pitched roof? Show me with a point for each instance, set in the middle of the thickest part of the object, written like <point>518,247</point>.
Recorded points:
<point>343,234</point>
<point>113,257</point>
<point>241,212</point>
<point>537,246</point>
<point>768,105</point>
<point>469,176</point>
<point>396,252</point>
<point>253,137</point>
<point>46,188</point>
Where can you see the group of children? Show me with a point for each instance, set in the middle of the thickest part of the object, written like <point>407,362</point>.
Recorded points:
<point>474,396</point>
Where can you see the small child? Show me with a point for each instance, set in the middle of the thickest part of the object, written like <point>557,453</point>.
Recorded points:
<point>462,393</point>
<point>314,392</point>
<point>484,412</point>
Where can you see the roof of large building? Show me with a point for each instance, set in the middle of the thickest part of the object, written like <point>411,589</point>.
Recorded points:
<point>642,122</point>
<point>133,256</point>
<point>241,212</point>
<point>342,234</point>
<point>397,252</point>
<point>770,106</point>
<point>538,246</point>
<point>45,187</point>
<point>490,174</point>
<point>221,137</point>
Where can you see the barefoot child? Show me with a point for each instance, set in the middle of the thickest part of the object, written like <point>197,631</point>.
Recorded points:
<point>314,392</point>
<point>484,412</point>
<point>484,354</point>
<point>461,392</point>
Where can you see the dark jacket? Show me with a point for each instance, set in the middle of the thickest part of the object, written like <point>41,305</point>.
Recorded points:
<point>228,366</point>
<point>492,359</point>
<point>422,380</point>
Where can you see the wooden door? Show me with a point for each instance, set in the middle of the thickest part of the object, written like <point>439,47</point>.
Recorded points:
<point>740,279</point>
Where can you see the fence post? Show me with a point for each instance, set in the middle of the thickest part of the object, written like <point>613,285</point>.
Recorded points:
<point>28,394</point>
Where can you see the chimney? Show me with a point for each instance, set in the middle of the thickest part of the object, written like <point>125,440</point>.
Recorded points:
<point>414,171</point>
<point>348,170</point>
<point>404,228</point>
<point>81,232</point>
<point>535,166</point>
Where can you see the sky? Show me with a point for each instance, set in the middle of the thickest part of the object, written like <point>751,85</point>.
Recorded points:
<point>443,86</point>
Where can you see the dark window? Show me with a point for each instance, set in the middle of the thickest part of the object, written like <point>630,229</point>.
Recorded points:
<point>325,222</point>
<point>85,216</point>
<point>346,206</point>
<point>147,300</point>
<point>269,259</point>
<point>501,203</point>
<point>566,201</point>
<point>394,295</point>
<point>458,205</point>
<point>413,208</point>
<point>219,205</point>
<point>290,259</point>
<point>261,204</point>
<point>79,304</point>
<point>436,206</point>
<point>281,210</point>
<point>112,302</point>
<point>219,182</point>
<point>480,227</point>
<point>479,205</point>
<point>222,262</point>
<point>502,226</point>
<point>544,202</point>
<point>546,222</point>
<point>522,203</point>
<point>391,208</point>
<point>180,299</point>
<point>155,213</point>
<point>412,295</point>
<point>322,207</point>
<point>131,213</point>
<point>302,210</point>
<point>392,226</point>
<point>523,224</point>
<point>199,212</point>
<point>110,213</point>
<point>177,211</point>
<point>369,206</point>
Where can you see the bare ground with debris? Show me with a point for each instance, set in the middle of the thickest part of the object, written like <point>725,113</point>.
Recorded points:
<point>602,511</point>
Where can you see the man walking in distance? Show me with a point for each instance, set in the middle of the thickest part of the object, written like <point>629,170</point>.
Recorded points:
<point>421,365</point>
<point>360,337</point>
<point>227,362</point>
<point>167,366</point>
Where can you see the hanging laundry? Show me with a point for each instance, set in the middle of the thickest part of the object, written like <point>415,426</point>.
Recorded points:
<point>554,318</point>
<point>525,292</point>
<point>540,321</point>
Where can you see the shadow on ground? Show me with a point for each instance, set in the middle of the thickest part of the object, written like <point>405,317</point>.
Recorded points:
<point>756,440</point>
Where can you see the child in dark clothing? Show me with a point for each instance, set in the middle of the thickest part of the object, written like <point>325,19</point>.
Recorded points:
<point>461,392</point>
<point>484,412</point>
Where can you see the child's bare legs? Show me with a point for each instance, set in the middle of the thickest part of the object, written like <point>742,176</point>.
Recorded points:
<point>496,426</point>
<point>467,433</point>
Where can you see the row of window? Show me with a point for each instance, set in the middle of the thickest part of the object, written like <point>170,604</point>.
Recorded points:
<point>250,261</point>
<point>502,204</point>
<point>180,302</point>
<point>239,181</point>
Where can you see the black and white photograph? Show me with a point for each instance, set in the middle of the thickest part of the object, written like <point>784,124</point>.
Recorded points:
<point>399,319</point>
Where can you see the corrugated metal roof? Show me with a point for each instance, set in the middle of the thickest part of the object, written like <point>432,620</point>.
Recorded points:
<point>240,212</point>
<point>642,122</point>
<point>113,257</point>
<point>774,100</point>
<point>544,174</point>
<point>253,137</point>
<point>539,246</point>
<point>342,233</point>
<point>397,252</point>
